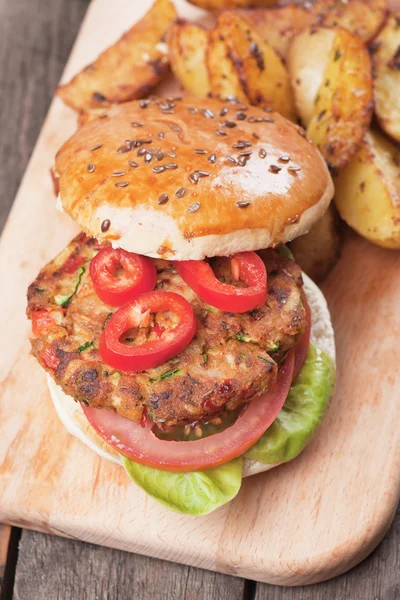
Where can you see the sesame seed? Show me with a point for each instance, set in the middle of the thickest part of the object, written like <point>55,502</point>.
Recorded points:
<point>268,120</point>
<point>244,107</point>
<point>181,192</point>
<point>241,144</point>
<point>171,154</point>
<point>167,105</point>
<point>267,109</point>
<point>262,153</point>
<point>220,132</point>
<point>141,141</point>
<point>231,159</point>
<point>99,97</point>
<point>163,199</point>
<point>294,168</point>
<point>159,169</point>
<point>274,169</point>
<point>200,151</point>
<point>241,116</point>
<point>144,103</point>
<point>223,111</point>
<point>212,158</point>
<point>142,151</point>
<point>136,124</point>
<point>96,147</point>
<point>203,173</point>
<point>285,158</point>
<point>105,226</point>
<point>193,110</point>
<point>229,124</point>
<point>175,127</point>
<point>148,157</point>
<point>194,207</point>
<point>123,149</point>
<point>242,204</point>
<point>242,160</point>
<point>91,168</point>
<point>246,153</point>
<point>133,164</point>
<point>194,177</point>
<point>255,135</point>
<point>118,173</point>
<point>208,113</point>
<point>171,166</point>
<point>121,184</point>
<point>160,155</point>
<point>160,135</point>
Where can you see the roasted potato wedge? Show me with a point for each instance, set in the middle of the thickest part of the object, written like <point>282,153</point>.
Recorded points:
<point>367,191</point>
<point>307,59</point>
<point>218,5</point>
<point>318,250</point>
<point>224,79</point>
<point>386,58</point>
<point>343,105</point>
<point>261,72</point>
<point>129,69</point>
<point>279,25</point>
<point>187,44</point>
<point>363,18</point>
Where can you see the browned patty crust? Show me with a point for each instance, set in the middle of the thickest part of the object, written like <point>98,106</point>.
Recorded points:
<point>232,358</point>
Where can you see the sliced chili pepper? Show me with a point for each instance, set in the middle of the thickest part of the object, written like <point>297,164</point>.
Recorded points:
<point>153,352</point>
<point>246,266</point>
<point>119,276</point>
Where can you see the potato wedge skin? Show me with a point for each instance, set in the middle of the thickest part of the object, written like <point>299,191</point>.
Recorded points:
<point>367,191</point>
<point>279,25</point>
<point>363,18</point>
<point>224,79</point>
<point>263,76</point>
<point>187,44</point>
<point>307,59</point>
<point>128,69</point>
<point>386,61</point>
<point>318,250</point>
<point>343,106</point>
<point>218,5</point>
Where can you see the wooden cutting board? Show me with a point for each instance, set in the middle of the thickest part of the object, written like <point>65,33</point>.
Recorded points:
<point>301,523</point>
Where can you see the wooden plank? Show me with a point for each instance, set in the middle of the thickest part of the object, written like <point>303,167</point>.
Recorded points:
<point>376,578</point>
<point>302,522</point>
<point>9,538</point>
<point>54,569</point>
<point>5,533</point>
<point>34,44</point>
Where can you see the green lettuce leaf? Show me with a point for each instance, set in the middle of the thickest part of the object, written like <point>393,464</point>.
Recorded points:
<point>302,412</point>
<point>196,493</point>
<point>201,492</point>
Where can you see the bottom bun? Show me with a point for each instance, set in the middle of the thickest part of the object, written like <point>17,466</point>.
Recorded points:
<point>72,417</point>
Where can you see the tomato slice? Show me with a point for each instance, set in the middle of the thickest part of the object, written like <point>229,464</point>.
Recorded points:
<point>246,266</point>
<point>301,349</point>
<point>141,445</point>
<point>119,276</point>
<point>153,352</point>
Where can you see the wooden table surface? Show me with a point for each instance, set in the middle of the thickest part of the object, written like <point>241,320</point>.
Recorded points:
<point>35,41</point>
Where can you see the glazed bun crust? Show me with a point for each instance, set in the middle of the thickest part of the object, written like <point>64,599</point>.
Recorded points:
<point>74,420</point>
<point>212,182</point>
